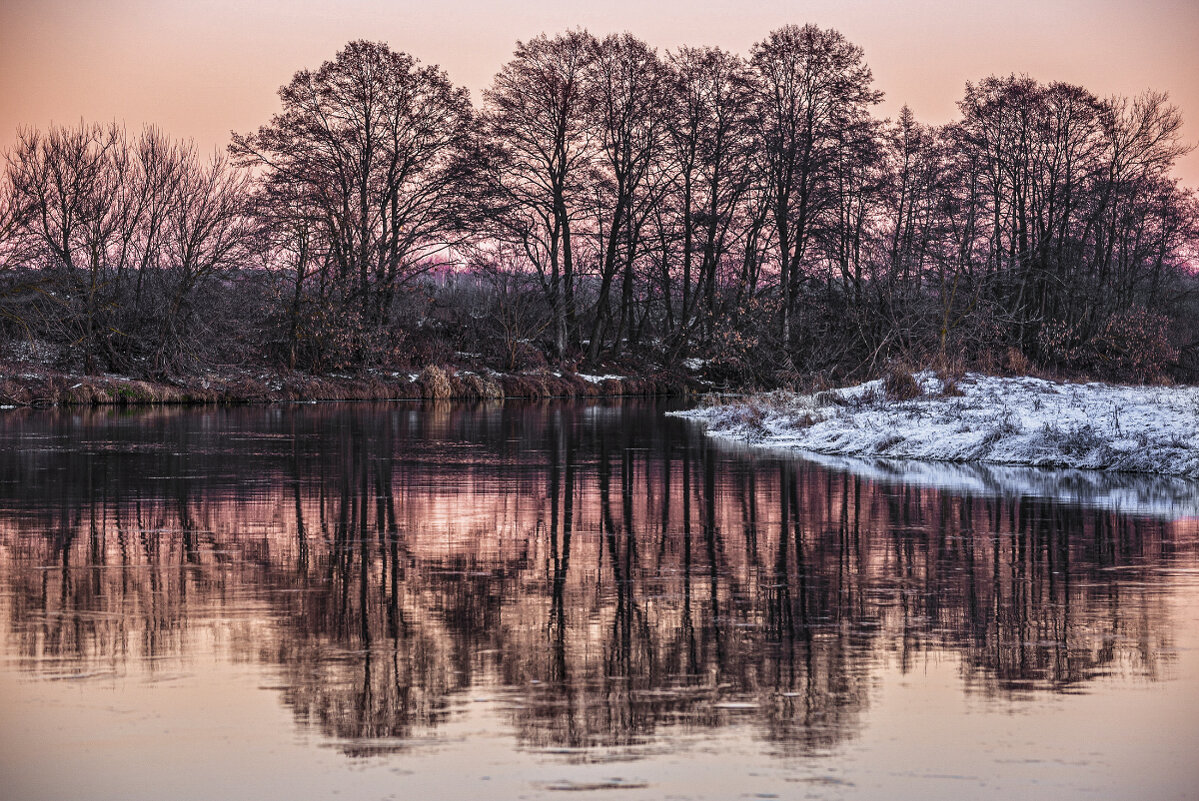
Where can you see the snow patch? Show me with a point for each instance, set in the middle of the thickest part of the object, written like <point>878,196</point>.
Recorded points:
<point>599,379</point>
<point>1004,421</point>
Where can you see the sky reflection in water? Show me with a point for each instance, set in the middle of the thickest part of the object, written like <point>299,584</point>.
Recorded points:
<point>528,599</point>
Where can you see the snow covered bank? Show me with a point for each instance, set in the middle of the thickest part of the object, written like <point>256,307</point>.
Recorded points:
<point>1006,421</point>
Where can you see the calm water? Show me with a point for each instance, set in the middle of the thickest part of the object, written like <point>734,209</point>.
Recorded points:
<point>538,601</point>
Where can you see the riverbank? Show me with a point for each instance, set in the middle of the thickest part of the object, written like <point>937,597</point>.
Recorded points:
<point>977,418</point>
<point>23,385</point>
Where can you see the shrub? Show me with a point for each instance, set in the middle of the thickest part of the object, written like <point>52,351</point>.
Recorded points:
<point>950,388</point>
<point>1131,345</point>
<point>900,385</point>
<point>1016,363</point>
<point>829,398</point>
<point>524,356</point>
<point>434,384</point>
<point>805,420</point>
<point>888,442</point>
<point>482,388</point>
<point>1077,441</point>
<point>750,415</point>
<point>740,354</point>
<point>1134,345</point>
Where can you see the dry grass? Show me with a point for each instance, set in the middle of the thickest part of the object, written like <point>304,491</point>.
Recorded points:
<point>949,386</point>
<point>805,420</point>
<point>1016,363</point>
<point>827,397</point>
<point>901,385</point>
<point>21,387</point>
<point>475,386</point>
<point>435,384</point>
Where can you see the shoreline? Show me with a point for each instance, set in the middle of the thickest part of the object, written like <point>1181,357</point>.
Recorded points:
<point>24,386</point>
<point>976,419</point>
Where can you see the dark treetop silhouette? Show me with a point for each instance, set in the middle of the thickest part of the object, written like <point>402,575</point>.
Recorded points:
<point>608,205</point>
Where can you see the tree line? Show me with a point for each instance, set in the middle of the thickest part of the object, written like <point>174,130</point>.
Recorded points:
<point>607,204</point>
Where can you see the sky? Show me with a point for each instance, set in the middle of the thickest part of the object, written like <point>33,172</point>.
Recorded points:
<point>202,68</point>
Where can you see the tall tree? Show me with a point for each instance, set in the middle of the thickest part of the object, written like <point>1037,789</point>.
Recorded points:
<point>206,234</point>
<point>370,140</point>
<point>126,231</point>
<point>811,84</point>
<point>539,149</point>
<point>69,181</point>
<point>627,83</point>
<point>710,147</point>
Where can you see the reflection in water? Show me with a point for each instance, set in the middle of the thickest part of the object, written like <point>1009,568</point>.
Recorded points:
<point>605,572</point>
<point>1141,494</point>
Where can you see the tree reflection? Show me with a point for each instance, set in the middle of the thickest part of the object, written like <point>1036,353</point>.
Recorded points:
<point>609,578</point>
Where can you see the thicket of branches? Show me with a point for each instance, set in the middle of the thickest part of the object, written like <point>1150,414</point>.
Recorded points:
<point>610,204</point>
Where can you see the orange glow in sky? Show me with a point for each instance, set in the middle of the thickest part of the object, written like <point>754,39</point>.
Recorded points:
<point>201,68</point>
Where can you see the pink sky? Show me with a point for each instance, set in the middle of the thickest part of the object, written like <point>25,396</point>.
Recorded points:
<point>203,67</point>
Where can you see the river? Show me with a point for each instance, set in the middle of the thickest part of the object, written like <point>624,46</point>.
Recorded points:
<point>526,600</point>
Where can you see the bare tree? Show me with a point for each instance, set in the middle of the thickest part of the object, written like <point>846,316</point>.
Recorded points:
<point>710,148</point>
<point>517,314</point>
<point>16,281</point>
<point>206,232</point>
<point>613,204</point>
<point>810,84</point>
<point>119,234</point>
<point>73,184</point>
<point>370,141</point>
<point>627,83</point>
<point>540,148</point>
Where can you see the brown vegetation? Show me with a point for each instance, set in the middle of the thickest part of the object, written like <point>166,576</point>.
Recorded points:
<point>434,383</point>
<point>900,385</point>
<point>747,219</point>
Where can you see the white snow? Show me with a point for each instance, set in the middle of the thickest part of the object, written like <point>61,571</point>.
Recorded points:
<point>599,379</point>
<point>1003,421</point>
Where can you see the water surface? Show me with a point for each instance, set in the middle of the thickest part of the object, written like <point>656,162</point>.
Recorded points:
<point>527,600</point>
